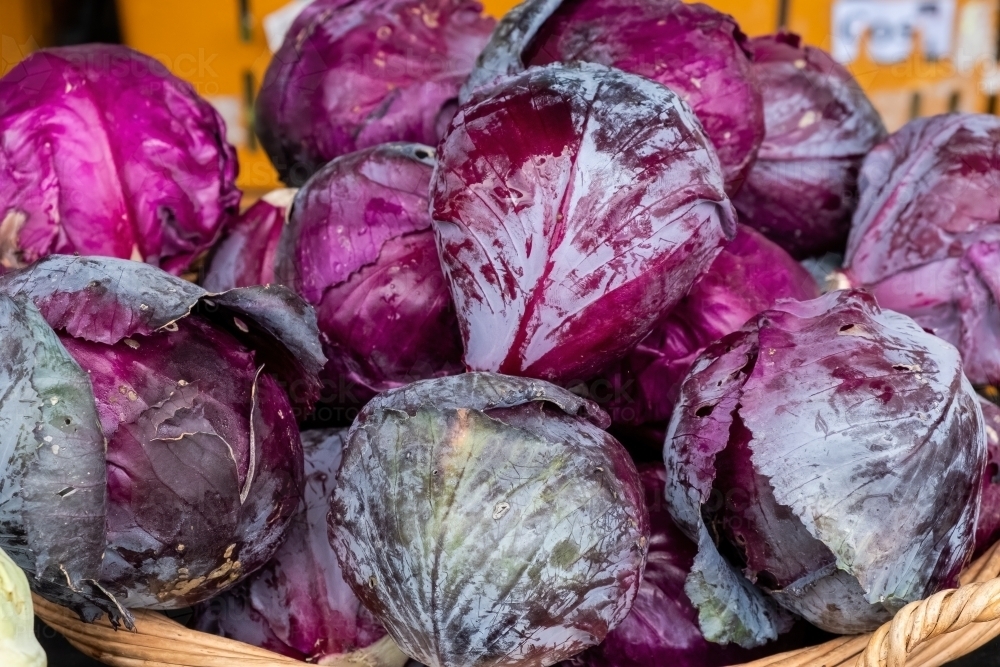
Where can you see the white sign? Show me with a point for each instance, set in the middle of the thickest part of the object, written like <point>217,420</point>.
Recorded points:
<point>278,23</point>
<point>231,109</point>
<point>891,26</point>
<point>976,38</point>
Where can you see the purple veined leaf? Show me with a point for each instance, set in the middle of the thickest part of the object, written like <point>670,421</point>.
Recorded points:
<point>662,628</point>
<point>795,456</point>
<point>197,396</point>
<point>298,604</point>
<point>574,206</point>
<point>925,236</point>
<point>245,255</point>
<point>352,74</point>
<point>359,247</point>
<point>988,527</point>
<point>106,300</point>
<point>107,153</point>
<point>692,49</point>
<point>802,190</point>
<point>487,520</point>
<point>54,497</point>
<point>204,462</point>
<point>749,276</point>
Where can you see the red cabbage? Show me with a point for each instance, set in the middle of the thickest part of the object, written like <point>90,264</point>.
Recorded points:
<point>245,255</point>
<point>662,628</point>
<point>359,247</point>
<point>52,465</point>
<point>749,276</point>
<point>797,458</point>
<point>196,397</point>
<point>694,50</point>
<point>574,206</point>
<point>489,521</point>
<point>298,604</point>
<point>802,190</point>
<point>926,235</point>
<point>988,528</point>
<point>352,74</point>
<point>106,153</point>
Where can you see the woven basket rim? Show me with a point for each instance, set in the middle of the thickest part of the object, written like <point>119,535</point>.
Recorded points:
<point>158,641</point>
<point>928,633</point>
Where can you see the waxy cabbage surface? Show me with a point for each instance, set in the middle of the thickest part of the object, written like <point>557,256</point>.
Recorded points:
<point>694,50</point>
<point>359,247</point>
<point>820,125</point>
<point>925,239</point>
<point>298,604</point>
<point>488,520</point>
<point>192,470</point>
<point>105,152</point>
<point>353,74</point>
<point>798,456</point>
<point>574,206</point>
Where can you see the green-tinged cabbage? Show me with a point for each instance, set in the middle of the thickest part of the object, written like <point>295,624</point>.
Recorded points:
<point>18,645</point>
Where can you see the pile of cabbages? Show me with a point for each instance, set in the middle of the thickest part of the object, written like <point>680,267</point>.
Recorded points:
<point>600,335</point>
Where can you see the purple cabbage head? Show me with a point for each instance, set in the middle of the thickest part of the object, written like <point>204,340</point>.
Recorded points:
<point>166,430</point>
<point>797,458</point>
<point>662,628</point>
<point>489,521</point>
<point>802,190</point>
<point>694,50</point>
<point>574,206</point>
<point>352,74</point>
<point>926,236</point>
<point>359,247</point>
<point>245,255</point>
<point>749,276</point>
<point>105,152</point>
<point>298,605</point>
<point>988,528</point>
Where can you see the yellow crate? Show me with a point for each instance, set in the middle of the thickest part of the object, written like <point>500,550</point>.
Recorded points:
<point>24,26</point>
<point>220,47</point>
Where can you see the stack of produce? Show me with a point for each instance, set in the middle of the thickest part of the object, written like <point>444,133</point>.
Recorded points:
<point>540,283</point>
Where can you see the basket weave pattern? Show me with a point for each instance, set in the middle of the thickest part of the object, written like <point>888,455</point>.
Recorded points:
<point>929,633</point>
<point>161,642</point>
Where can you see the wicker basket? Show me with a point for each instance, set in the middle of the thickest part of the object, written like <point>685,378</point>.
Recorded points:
<point>968,616</point>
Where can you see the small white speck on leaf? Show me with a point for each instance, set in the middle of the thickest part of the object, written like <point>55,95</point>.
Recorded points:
<point>808,118</point>
<point>500,510</point>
